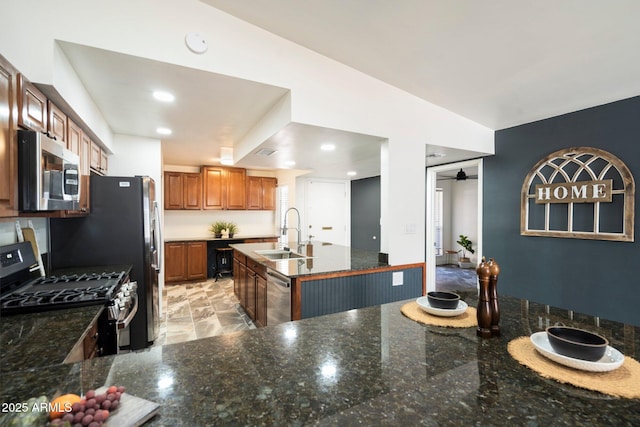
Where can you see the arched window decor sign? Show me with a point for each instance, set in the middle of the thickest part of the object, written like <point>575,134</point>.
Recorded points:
<point>579,193</point>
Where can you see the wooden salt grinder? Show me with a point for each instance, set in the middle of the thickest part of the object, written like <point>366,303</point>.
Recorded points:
<point>484,302</point>
<point>494,269</point>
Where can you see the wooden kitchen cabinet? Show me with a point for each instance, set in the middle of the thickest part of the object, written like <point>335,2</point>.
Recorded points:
<point>183,190</point>
<point>80,144</point>
<point>99,159</point>
<point>250,295</point>
<point>240,278</point>
<point>185,261</point>
<point>8,143</point>
<point>196,253</point>
<point>57,123</point>
<point>224,188</point>
<point>32,106</point>
<point>261,193</point>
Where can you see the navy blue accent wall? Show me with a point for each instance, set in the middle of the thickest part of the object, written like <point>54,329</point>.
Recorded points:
<point>365,214</point>
<point>326,296</point>
<point>599,278</point>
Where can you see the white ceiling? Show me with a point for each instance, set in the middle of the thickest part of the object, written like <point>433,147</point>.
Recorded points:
<point>500,63</point>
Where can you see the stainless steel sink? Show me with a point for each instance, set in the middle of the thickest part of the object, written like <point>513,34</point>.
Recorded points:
<point>279,254</point>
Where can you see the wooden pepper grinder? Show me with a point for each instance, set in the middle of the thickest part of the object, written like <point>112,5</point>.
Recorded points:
<point>494,269</point>
<point>484,301</point>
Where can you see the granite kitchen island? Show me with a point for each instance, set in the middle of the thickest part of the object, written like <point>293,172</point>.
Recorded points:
<point>324,278</point>
<point>370,366</point>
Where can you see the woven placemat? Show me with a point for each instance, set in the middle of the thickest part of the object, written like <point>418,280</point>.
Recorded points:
<point>621,382</point>
<point>466,320</point>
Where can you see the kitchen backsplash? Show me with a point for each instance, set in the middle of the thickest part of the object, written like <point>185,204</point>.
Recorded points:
<point>8,231</point>
<point>195,224</point>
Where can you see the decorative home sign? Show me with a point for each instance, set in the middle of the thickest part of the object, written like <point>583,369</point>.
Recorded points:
<point>580,193</point>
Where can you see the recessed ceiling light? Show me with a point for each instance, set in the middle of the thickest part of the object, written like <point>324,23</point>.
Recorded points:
<point>328,147</point>
<point>163,96</point>
<point>351,173</point>
<point>226,155</point>
<point>164,131</point>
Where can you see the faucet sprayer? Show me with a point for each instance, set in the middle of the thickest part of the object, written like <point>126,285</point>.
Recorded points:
<point>285,228</point>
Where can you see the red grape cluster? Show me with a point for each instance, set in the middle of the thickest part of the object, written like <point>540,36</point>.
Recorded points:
<point>92,410</point>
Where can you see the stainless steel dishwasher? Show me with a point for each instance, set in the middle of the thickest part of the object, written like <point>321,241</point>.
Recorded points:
<point>278,298</point>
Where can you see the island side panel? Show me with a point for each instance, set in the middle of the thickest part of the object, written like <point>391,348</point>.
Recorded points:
<point>320,295</point>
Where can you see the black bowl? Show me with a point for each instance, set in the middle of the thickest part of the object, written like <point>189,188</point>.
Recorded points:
<point>577,343</point>
<point>446,300</point>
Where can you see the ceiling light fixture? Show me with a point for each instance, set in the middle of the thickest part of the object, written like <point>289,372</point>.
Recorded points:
<point>327,147</point>
<point>351,173</point>
<point>226,155</point>
<point>290,163</point>
<point>164,131</point>
<point>163,96</point>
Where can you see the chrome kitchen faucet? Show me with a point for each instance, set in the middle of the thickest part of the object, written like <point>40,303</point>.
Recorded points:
<point>285,228</point>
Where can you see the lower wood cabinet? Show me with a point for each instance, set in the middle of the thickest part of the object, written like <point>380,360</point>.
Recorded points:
<point>184,261</point>
<point>250,287</point>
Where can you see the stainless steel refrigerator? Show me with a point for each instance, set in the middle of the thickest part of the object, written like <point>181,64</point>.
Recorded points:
<point>123,228</point>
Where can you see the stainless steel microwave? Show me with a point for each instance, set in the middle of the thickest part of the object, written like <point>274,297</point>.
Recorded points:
<point>48,174</point>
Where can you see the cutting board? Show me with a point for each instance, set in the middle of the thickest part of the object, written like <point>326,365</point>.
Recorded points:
<point>132,411</point>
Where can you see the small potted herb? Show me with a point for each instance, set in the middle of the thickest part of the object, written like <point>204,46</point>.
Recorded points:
<point>464,261</point>
<point>232,228</point>
<point>217,228</point>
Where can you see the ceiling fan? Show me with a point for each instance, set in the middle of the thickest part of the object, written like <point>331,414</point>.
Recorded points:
<point>460,176</point>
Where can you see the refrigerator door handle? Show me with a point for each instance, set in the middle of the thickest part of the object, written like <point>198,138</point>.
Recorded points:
<point>157,237</point>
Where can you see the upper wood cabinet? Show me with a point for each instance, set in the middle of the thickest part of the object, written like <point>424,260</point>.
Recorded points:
<point>224,188</point>
<point>57,123</point>
<point>99,160</point>
<point>80,144</point>
<point>261,193</point>
<point>183,190</point>
<point>32,106</point>
<point>8,144</point>
<point>74,137</point>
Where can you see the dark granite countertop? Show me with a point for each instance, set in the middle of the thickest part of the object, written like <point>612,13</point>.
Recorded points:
<point>370,366</point>
<point>38,340</point>
<point>322,258</point>
<point>210,237</point>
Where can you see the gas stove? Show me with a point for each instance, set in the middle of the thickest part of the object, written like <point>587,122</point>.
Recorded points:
<point>52,292</point>
<point>22,293</point>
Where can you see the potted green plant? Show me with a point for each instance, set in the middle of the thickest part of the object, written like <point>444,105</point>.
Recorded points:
<point>217,228</point>
<point>232,228</point>
<point>464,261</point>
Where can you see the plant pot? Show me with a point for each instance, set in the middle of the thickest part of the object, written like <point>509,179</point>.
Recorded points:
<point>231,235</point>
<point>465,263</point>
<point>218,235</point>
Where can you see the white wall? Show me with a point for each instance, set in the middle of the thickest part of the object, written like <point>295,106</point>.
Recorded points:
<point>464,214</point>
<point>323,92</point>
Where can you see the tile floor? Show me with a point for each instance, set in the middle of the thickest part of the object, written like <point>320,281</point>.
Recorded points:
<point>199,310</point>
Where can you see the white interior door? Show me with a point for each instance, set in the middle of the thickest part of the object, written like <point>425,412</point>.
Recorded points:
<point>327,212</point>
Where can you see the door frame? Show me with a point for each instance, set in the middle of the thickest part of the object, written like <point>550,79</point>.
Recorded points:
<point>430,229</point>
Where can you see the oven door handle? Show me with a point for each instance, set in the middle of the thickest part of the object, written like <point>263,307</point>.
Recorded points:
<point>134,309</point>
